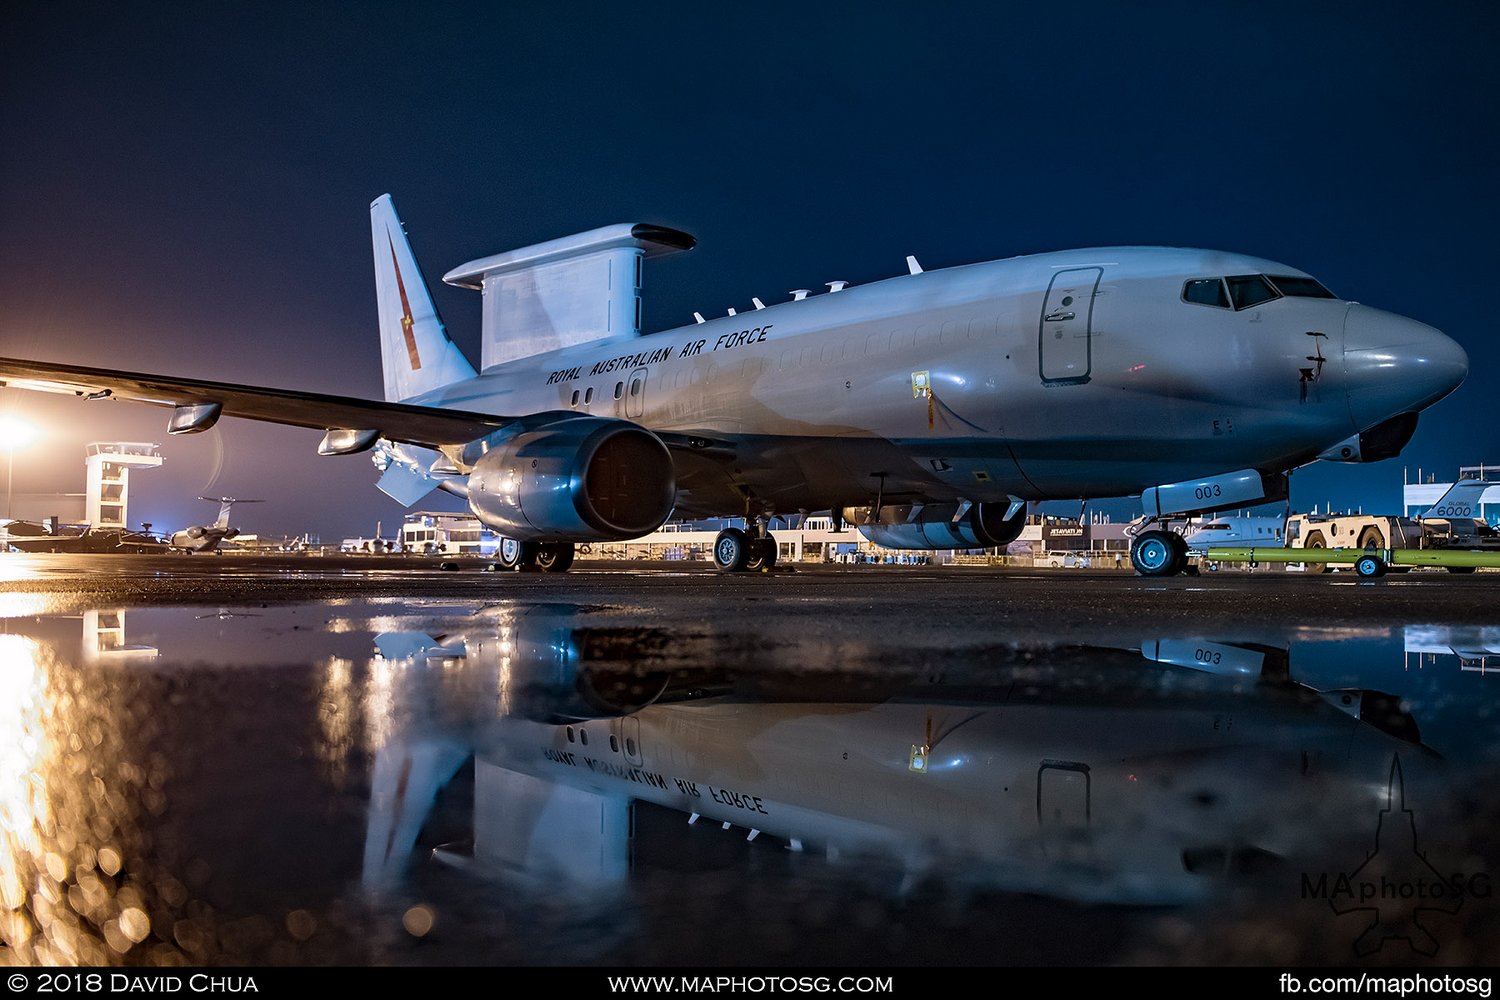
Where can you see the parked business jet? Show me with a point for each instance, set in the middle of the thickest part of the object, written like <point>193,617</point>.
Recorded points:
<point>208,537</point>
<point>1234,531</point>
<point>927,409</point>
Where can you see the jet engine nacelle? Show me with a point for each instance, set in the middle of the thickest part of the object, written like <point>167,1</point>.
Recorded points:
<point>231,533</point>
<point>983,526</point>
<point>573,478</point>
<point>196,531</point>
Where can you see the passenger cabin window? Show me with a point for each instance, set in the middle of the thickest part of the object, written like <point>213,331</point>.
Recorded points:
<point>1248,290</point>
<point>575,398</point>
<point>1302,288</point>
<point>635,387</point>
<point>1206,292</point>
<point>588,396</point>
<point>619,389</point>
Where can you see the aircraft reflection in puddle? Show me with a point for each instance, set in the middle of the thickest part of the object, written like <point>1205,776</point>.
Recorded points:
<point>182,779</point>
<point>1142,773</point>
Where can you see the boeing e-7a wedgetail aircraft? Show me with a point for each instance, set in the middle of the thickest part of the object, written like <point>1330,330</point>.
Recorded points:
<point>927,409</point>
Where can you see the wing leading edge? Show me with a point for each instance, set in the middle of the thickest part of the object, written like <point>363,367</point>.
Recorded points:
<point>201,402</point>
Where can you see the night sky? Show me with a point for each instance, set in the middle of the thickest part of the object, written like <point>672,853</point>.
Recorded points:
<point>185,188</point>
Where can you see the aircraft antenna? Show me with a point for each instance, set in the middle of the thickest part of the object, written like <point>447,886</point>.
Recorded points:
<point>798,294</point>
<point>912,267</point>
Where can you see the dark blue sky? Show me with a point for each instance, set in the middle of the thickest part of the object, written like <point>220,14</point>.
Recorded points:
<point>185,188</point>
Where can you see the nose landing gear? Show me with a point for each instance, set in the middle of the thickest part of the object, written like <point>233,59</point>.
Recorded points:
<point>1158,552</point>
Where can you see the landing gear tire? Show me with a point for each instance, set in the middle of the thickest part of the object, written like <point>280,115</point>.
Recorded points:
<point>731,550</point>
<point>1179,553</point>
<point>1154,553</point>
<point>554,557</point>
<point>514,555</point>
<point>1315,541</point>
<point>762,554</point>
<point>1369,567</point>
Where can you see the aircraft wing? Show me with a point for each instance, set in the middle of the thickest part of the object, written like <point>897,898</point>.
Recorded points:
<point>425,425</point>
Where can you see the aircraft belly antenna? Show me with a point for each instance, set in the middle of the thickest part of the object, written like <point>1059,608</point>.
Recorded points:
<point>798,294</point>
<point>837,286</point>
<point>912,267</point>
<point>758,303</point>
<point>698,317</point>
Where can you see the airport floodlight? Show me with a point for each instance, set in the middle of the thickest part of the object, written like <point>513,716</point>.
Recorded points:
<point>16,433</point>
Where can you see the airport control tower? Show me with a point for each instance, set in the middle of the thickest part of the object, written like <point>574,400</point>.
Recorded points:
<point>107,489</point>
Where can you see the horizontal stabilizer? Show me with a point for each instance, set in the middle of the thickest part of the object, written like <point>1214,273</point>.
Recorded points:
<point>398,646</point>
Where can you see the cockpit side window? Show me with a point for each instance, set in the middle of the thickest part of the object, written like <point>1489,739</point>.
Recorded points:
<point>1306,288</point>
<point>1248,290</point>
<point>1206,292</point>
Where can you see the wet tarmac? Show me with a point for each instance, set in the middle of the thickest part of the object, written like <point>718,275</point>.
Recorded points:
<point>345,761</point>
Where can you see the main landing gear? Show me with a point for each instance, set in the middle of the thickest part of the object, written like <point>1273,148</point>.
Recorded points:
<point>1159,552</point>
<point>737,550</point>
<point>549,557</point>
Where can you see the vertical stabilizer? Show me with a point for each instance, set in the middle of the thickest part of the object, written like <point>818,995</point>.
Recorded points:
<point>225,504</point>
<point>1462,499</point>
<point>416,355</point>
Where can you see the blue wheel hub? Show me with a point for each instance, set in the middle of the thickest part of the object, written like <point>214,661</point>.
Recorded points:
<point>1154,554</point>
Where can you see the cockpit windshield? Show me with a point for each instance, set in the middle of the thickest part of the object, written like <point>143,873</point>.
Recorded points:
<point>1307,288</point>
<point>1248,290</point>
<point>1206,292</point>
<point>1242,291</point>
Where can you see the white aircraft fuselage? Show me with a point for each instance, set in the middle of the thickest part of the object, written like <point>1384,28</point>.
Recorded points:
<point>1136,389</point>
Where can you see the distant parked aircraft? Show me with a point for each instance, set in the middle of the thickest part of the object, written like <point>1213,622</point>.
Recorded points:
<point>207,537</point>
<point>52,536</point>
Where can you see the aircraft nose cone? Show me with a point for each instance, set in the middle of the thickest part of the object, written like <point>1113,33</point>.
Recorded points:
<point>1396,365</point>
